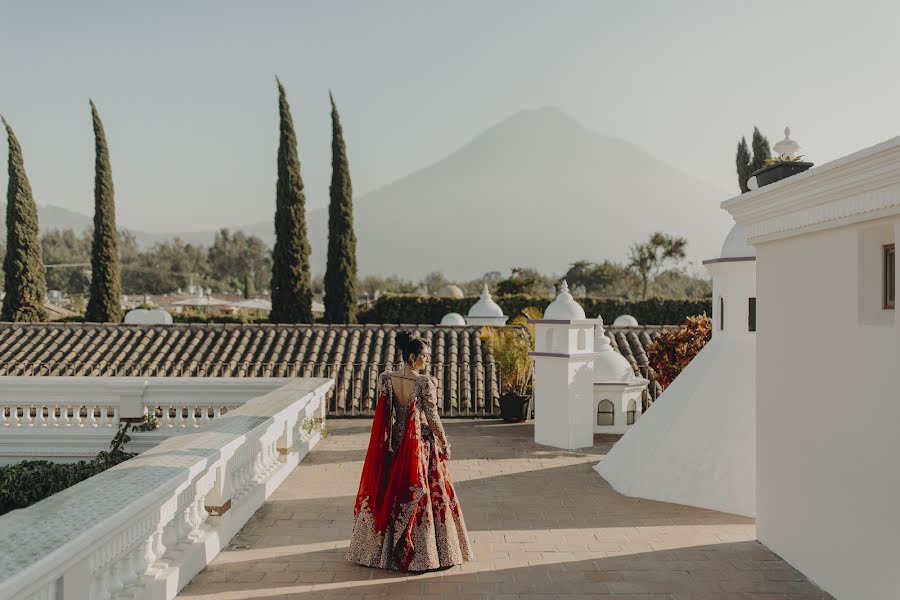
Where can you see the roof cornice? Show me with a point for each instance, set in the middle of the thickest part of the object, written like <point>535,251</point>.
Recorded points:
<point>861,186</point>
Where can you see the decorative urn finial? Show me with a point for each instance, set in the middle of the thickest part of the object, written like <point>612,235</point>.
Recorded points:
<point>787,148</point>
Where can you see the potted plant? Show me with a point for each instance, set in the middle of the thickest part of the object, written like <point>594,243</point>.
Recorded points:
<point>776,169</point>
<point>510,346</point>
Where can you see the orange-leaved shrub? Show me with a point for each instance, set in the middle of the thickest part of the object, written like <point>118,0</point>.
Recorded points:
<point>671,352</point>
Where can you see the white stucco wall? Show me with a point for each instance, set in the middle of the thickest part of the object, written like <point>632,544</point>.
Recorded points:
<point>828,445</point>
<point>696,444</point>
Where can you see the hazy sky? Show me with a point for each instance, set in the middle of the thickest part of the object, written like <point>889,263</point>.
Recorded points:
<point>187,92</point>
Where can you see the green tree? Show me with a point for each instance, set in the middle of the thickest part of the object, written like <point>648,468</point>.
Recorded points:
<point>66,255</point>
<point>23,265</point>
<point>235,257</point>
<point>523,281</point>
<point>167,267</point>
<point>291,282</point>
<point>761,150</point>
<point>648,258</point>
<point>742,162</point>
<point>340,273</point>
<point>105,301</point>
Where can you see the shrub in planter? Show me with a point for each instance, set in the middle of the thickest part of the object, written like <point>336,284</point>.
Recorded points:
<point>671,352</point>
<point>510,346</point>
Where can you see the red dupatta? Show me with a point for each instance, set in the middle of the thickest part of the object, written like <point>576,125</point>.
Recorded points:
<point>391,485</point>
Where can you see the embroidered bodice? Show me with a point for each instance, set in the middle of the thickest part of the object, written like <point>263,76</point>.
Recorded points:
<point>425,392</point>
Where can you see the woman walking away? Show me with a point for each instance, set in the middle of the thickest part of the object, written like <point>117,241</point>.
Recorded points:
<point>407,516</point>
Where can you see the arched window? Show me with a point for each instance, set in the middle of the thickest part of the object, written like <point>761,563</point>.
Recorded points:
<point>548,340</point>
<point>632,410</point>
<point>582,340</point>
<point>606,414</point>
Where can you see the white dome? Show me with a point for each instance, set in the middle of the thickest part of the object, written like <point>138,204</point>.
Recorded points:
<point>625,321</point>
<point>736,245</point>
<point>564,307</point>
<point>450,291</point>
<point>485,307</point>
<point>453,319</point>
<point>609,365</point>
<point>142,316</point>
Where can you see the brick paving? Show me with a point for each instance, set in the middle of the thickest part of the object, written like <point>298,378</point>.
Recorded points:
<point>544,526</point>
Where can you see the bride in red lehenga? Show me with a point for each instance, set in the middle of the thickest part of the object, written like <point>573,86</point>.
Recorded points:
<point>407,516</point>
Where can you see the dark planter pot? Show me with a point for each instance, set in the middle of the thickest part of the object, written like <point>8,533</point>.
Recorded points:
<point>514,408</point>
<point>778,171</point>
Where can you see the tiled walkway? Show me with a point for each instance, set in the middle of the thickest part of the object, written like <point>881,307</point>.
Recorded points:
<point>544,526</point>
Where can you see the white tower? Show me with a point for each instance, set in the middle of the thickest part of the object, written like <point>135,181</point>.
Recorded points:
<point>563,374</point>
<point>486,311</point>
<point>696,444</point>
<point>617,390</point>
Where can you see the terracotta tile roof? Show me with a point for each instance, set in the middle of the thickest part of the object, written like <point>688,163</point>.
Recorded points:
<point>353,354</point>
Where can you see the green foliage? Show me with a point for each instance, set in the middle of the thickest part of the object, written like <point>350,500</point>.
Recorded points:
<point>648,258</point>
<point>671,352</point>
<point>761,150</point>
<point>523,281</point>
<point>105,300</point>
<point>30,481</point>
<point>340,274</point>
<point>606,279</point>
<point>191,316</point>
<point>23,265</point>
<point>510,347</point>
<point>742,162</point>
<point>311,424</point>
<point>236,260</point>
<point>291,285</point>
<point>417,309</point>
<point>166,267</point>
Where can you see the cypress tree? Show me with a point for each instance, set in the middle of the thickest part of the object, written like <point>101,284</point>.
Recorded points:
<point>105,302</point>
<point>761,150</point>
<point>291,281</point>
<point>742,160</point>
<point>340,273</point>
<point>23,266</point>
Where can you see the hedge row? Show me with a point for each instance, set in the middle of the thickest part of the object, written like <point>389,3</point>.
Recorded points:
<point>31,481</point>
<point>417,309</point>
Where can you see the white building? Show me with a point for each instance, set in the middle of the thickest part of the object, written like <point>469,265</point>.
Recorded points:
<point>564,374</point>
<point>828,406</point>
<point>696,445</point>
<point>486,311</point>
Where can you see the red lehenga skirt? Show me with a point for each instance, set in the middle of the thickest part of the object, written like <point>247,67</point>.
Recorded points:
<point>407,516</point>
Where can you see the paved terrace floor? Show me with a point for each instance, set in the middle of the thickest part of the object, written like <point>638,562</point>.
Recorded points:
<point>543,524</point>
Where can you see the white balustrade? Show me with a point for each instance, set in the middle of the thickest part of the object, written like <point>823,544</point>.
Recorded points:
<point>143,529</point>
<point>73,418</point>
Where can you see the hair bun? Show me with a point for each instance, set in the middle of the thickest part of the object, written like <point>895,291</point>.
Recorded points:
<point>404,337</point>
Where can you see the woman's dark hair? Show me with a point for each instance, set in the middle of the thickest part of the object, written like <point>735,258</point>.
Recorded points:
<point>410,343</point>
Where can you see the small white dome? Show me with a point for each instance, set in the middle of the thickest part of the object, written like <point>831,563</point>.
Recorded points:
<point>736,245</point>
<point>485,307</point>
<point>450,291</point>
<point>625,321</point>
<point>142,316</point>
<point>564,307</point>
<point>609,365</point>
<point>453,319</point>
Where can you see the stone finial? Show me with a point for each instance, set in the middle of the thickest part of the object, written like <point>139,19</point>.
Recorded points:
<point>787,148</point>
<point>565,306</point>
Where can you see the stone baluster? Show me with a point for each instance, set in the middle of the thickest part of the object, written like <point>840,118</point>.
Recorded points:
<point>166,421</point>
<point>204,416</point>
<point>5,413</point>
<point>29,420</point>
<point>92,416</point>
<point>103,418</point>
<point>76,415</point>
<point>39,417</point>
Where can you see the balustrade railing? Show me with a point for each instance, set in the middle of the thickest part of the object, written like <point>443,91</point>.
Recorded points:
<point>143,529</point>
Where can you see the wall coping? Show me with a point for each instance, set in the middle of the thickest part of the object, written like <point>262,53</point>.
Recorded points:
<point>858,187</point>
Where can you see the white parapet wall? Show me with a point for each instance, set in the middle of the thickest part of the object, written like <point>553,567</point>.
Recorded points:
<point>73,418</point>
<point>143,529</point>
